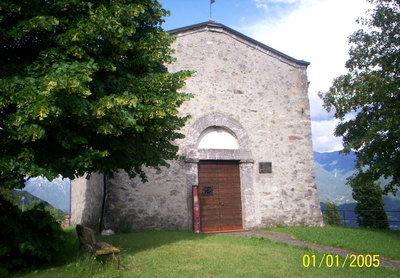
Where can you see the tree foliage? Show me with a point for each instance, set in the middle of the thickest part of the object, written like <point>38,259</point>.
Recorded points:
<point>370,205</point>
<point>332,216</point>
<point>84,87</point>
<point>366,100</point>
<point>29,238</point>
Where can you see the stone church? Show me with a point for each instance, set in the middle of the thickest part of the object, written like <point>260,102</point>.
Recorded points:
<point>247,150</point>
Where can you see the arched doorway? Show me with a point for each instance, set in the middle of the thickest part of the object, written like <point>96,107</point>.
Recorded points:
<point>219,183</point>
<point>219,162</point>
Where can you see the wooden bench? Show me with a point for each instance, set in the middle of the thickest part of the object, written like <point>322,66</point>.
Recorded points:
<point>87,239</point>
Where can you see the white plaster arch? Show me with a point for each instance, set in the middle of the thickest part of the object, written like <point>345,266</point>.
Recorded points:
<point>217,137</point>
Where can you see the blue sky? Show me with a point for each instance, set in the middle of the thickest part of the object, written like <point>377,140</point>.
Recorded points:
<point>312,30</point>
<point>233,13</point>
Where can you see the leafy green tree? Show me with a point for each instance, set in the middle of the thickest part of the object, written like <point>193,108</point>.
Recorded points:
<point>332,216</point>
<point>366,100</point>
<point>9,195</point>
<point>370,205</point>
<point>84,87</point>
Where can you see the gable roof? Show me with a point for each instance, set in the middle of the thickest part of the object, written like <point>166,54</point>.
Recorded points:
<point>217,27</point>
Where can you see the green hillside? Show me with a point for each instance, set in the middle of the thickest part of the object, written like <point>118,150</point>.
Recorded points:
<point>331,171</point>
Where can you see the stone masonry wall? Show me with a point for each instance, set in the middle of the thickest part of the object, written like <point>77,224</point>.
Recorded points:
<point>268,96</point>
<point>161,203</point>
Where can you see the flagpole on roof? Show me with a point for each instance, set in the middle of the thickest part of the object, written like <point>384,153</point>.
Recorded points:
<point>211,2</point>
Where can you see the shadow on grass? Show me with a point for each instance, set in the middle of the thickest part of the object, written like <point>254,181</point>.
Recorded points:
<point>138,241</point>
<point>66,256</point>
<point>129,243</point>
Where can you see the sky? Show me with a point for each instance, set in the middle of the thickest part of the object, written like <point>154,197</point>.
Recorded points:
<point>316,31</point>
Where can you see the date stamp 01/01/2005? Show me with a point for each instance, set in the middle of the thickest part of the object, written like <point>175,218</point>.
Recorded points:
<point>334,261</point>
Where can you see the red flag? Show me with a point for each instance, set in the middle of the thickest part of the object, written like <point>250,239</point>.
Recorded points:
<point>196,209</point>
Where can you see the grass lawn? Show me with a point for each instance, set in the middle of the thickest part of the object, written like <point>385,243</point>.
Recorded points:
<point>379,242</point>
<point>187,254</point>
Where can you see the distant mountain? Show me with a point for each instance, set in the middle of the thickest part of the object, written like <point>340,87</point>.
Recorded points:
<point>25,197</point>
<point>56,193</point>
<point>336,162</point>
<point>331,171</point>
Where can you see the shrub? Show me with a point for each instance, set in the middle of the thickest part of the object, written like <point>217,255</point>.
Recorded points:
<point>332,216</point>
<point>370,207</point>
<point>30,238</point>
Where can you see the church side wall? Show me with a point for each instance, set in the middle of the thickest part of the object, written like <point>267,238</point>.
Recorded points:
<point>160,203</point>
<point>86,200</point>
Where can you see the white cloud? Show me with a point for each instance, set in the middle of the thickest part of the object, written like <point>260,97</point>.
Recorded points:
<point>318,112</point>
<point>323,138</point>
<point>316,31</point>
<point>265,2</point>
<point>275,8</point>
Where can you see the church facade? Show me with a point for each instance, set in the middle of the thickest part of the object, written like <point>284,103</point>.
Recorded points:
<point>247,147</point>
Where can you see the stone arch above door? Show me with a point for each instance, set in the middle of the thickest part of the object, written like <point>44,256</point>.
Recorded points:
<point>243,153</point>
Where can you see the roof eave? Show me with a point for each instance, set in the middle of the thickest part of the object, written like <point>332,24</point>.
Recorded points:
<point>238,34</point>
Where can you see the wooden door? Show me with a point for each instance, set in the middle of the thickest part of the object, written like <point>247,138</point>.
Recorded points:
<point>219,195</point>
